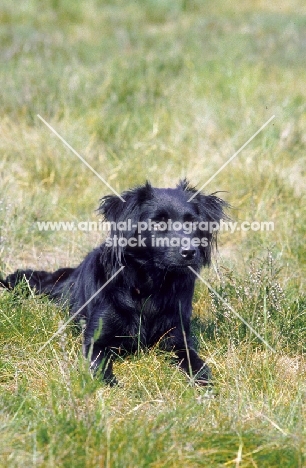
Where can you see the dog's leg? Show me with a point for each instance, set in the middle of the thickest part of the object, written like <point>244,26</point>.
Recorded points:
<point>191,363</point>
<point>101,362</point>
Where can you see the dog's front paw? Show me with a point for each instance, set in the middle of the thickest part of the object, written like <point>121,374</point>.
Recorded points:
<point>111,381</point>
<point>203,382</point>
<point>106,377</point>
<point>204,378</point>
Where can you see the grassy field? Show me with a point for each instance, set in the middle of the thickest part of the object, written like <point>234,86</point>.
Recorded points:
<point>158,90</point>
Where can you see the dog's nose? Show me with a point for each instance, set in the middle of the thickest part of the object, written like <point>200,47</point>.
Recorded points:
<point>188,254</point>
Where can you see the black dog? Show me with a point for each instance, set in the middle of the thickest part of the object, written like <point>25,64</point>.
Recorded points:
<point>156,235</point>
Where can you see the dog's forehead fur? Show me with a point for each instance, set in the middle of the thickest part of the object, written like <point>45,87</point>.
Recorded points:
<point>175,197</point>
<point>173,202</point>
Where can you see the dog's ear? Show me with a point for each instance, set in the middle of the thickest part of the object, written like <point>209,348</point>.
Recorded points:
<point>114,209</point>
<point>211,210</point>
<point>210,207</point>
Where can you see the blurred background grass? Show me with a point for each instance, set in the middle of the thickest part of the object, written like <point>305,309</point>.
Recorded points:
<point>156,90</point>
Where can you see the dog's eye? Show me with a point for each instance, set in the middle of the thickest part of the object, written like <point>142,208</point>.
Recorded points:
<point>159,225</point>
<point>189,218</point>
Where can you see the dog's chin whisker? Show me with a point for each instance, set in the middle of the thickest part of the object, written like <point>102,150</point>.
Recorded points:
<point>137,297</point>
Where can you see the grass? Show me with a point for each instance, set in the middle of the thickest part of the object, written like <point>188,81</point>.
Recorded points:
<point>155,90</point>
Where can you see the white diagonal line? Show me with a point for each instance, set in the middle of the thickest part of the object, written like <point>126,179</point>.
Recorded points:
<point>80,157</point>
<point>232,157</point>
<point>233,310</point>
<point>273,423</point>
<point>78,311</point>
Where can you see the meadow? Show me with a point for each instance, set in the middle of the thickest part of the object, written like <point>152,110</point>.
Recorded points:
<point>157,90</point>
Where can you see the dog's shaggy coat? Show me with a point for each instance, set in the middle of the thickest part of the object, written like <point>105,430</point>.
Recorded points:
<point>150,301</point>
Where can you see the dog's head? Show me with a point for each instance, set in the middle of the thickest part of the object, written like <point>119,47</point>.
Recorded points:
<point>163,227</point>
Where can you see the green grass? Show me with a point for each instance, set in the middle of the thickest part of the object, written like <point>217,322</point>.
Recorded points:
<point>155,90</point>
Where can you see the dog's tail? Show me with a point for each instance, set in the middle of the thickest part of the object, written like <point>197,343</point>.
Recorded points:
<point>4,284</point>
<point>42,282</point>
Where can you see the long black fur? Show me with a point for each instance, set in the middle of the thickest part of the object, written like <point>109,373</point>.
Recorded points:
<point>150,301</point>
